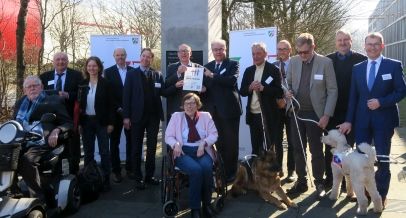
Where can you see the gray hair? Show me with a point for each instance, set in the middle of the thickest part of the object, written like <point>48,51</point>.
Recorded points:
<point>219,41</point>
<point>305,38</point>
<point>120,48</point>
<point>259,45</point>
<point>34,78</point>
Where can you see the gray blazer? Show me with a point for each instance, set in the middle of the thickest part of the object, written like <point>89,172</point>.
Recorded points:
<point>323,84</point>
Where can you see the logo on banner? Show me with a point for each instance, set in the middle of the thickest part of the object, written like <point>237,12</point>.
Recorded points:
<point>135,40</point>
<point>271,33</point>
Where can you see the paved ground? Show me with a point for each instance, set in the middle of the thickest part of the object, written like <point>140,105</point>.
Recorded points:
<point>123,201</point>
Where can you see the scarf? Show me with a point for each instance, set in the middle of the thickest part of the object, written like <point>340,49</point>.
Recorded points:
<point>193,135</point>
<point>24,112</point>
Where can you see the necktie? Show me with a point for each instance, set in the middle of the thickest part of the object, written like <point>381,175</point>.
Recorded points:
<point>58,86</point>
<point>217,68</point>
<point>283,70</point>
<point>371,78</point>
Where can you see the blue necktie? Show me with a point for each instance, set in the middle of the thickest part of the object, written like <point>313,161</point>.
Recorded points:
<point>217,69</point>
<point>371,78</point>
<point>58,86</point>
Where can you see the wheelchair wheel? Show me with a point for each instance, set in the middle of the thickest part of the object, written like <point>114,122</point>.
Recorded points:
<point>164,180</point>
<point>35,214</point>
<point>220,178</point>
<point>74,197</point>
<point>170,209</point>
<point>219,204</point>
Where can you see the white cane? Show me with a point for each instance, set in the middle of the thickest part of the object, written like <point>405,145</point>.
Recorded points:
<point>297,127</point>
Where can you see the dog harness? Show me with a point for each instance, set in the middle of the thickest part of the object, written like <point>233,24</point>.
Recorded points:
<point>337,159</point>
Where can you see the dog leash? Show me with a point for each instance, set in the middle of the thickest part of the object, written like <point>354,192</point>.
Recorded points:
<point>297,127</point>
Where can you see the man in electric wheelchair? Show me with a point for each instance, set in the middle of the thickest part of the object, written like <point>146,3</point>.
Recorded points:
<point>28,112</point>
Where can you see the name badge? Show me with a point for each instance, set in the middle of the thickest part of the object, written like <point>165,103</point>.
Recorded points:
<point>224,70</point>
<point>157,85</point>
<point>51,82</point>
<point>386,76</point>
<point>269,80</point>
<point>318,76</point>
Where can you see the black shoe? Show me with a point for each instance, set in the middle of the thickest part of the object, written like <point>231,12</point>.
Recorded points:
<point>208,212</point>
<point>195,213</point>
<point>290,178</point>
<point>117,178</point>
<point>320,191</point>
<point>230,179</point>
<point>131,175</point>
<point>106,185</point>
<point>139,184</point>
<point>328,183</point>
<point>298,188</point>
<point>152,181</point>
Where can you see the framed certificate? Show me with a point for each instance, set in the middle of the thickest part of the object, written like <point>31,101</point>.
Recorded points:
<point>193,79</point>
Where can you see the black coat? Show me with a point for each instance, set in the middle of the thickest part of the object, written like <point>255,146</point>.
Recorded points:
<point>133,96</point>
<point>103,105</point>
<point>72,81</point>
<point>268,96</point>
<point>51,104</point>
<point>113,76</point>
<point>222,90</point>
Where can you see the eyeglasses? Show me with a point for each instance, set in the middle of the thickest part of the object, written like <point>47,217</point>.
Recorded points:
<point>32,86</point>
<point>303,52</point>
<point>190,103</point>
<point>283,49</point>
<point>217,49</point>
<point>184,51</point>
<point>374,44</point>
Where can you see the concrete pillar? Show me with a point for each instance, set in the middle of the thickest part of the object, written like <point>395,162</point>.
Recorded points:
<point>194,22</point>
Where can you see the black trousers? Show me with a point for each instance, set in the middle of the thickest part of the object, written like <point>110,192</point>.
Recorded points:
<point>115,146</point>
<point>228,142</point>
<point>284,122</point>
<point>309,132</point>
<point>28,169</point>
<point>74,152</point>
<point>150,124</point>
<point>257,132</point>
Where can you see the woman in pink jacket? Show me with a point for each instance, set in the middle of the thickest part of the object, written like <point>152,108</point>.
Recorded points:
<point>191,134</point>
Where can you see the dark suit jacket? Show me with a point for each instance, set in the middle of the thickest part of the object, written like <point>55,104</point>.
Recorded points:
<point>175,95</point>
<point>72,81</point>
<point>113,76</point>
<point>389,88</point>
<point>222,90</point>
<point>268,96</point>
<point>133,96</point>
<point>51,104</point>
<point>103,103</point>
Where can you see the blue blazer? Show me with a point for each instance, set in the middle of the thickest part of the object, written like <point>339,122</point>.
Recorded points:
<point>389,88</point>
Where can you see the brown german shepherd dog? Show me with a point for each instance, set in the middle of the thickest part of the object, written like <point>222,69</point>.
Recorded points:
<point>264,179</point>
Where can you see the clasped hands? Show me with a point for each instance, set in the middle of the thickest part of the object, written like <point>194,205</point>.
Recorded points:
<point>256,86</point>
<point>177,149</point>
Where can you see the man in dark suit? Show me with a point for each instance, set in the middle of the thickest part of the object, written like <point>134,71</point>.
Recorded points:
<point>262,84</point>
<point>174,80</point>
<point>344,60</point>
<point>283,51</point>
<point>142,110</point>
<point>377,85</point>
<point>65,82</point>
<point>224,104</point>
<point>116,74</point>
<point>28,112</point>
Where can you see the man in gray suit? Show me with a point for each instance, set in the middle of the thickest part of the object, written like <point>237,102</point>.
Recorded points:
<point>312,81</point>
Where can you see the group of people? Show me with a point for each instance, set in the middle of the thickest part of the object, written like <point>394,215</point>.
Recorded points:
<point>308,86</point>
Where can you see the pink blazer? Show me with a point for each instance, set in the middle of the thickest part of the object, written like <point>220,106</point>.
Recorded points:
<point>173,131</point>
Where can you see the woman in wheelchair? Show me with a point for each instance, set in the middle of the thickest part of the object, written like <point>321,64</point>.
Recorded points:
<point>191,134</point>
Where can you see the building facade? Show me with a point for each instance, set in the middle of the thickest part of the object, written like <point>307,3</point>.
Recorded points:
<point>389,18</point>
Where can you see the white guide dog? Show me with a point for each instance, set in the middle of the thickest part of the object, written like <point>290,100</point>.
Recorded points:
<point>358,169</point>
